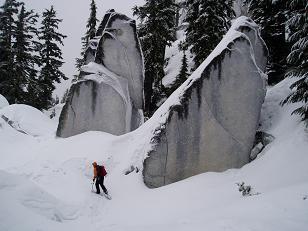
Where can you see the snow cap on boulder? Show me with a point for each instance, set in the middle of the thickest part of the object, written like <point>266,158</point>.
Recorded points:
<point>27,120</point>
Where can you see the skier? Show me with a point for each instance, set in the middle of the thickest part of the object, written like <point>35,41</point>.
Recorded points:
<point>99,174</point>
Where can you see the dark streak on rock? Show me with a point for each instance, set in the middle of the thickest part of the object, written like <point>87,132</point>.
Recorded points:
<point>94,96</point>
<point>109,18</point>
<point>75,89</point>
<point>182,109</point>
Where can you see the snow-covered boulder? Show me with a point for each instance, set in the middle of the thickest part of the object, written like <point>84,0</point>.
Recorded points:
<point>27,120</point>
<point>99,102</point>
<point>109,94</point>
<point>210,122</point>
<point>3,102</point>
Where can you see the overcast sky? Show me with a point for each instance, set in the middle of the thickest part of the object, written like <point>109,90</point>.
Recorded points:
<point>75,14</point>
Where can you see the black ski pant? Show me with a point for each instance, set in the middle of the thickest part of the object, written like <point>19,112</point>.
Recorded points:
<point>100,182</point>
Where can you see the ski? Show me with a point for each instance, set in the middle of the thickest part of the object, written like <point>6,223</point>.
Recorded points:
<point>107,196</point>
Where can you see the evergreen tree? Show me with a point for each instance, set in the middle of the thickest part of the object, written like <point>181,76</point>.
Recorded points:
<point>34,90</point>
<point>51,56</point>
<point>24,48</point>
<point>8,13</point>
<point>298,57</point>
<point>271,16</point>
<point>207,22</point>
<point>181,77</point>
<point>156,31</point>
<point>90,34</point>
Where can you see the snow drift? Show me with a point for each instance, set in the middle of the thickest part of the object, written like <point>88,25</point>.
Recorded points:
<point>27,120</point>
<point>210,122</point>
<point>3,102</point>
<point>18,194</point>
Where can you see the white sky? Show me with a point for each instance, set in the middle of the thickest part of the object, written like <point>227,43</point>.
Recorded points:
<point>75,14</point>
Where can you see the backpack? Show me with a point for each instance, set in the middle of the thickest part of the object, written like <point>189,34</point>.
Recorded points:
<point>101,171</point>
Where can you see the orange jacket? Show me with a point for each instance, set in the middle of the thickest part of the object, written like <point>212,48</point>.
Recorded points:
<point>95,172</point>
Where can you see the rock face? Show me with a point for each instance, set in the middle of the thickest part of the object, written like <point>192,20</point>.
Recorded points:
<point>109,94</point>
<point>212,126</point>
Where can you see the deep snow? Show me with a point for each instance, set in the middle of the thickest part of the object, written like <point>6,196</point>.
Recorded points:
<point>3,101</point>
<point>45,182</point>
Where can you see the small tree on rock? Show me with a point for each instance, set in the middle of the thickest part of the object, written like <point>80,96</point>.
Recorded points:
<point>90,34</point>
<point>181,77</point>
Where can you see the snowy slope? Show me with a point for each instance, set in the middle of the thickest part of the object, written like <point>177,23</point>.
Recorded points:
<point>173,54</point>
<point>3,102</point>
<point>27,119</point>
<point>32,203</point>
<point>45,183</point>
<point>174,58</point>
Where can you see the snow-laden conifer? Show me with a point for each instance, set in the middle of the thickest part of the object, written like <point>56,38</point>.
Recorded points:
<point>8,25</point>
<point>182,76</point>
<point>26,61</point>
<point>271,17</point>
<point>207,22</point>
<point>298,57</point>
<point>51,56</point>
<point>90,34</point>
<point>156,31</point>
